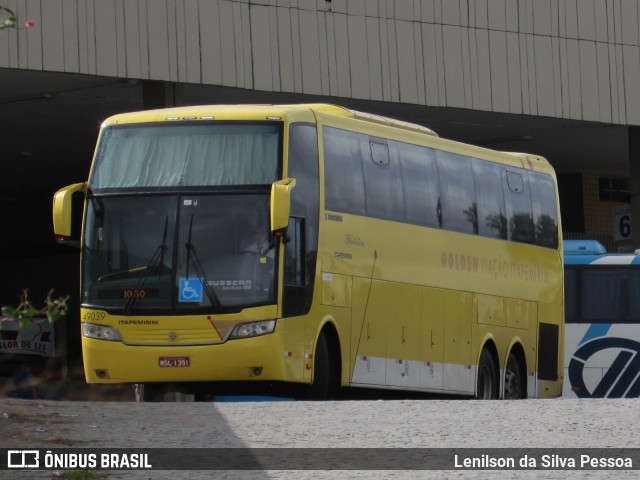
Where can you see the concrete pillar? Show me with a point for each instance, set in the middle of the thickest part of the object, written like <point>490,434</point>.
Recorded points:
<point>158,94</point>
<point>634,172</point>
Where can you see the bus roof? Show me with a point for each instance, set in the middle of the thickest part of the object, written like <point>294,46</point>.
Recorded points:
<point>583,247</point>
<point>592,252</point>
<point>266,112</point>
<point>306,111</point>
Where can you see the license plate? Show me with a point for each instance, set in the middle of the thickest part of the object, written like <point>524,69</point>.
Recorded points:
<point>174,362</point>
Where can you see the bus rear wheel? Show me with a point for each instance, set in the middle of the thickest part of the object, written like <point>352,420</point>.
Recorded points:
<point>487,378</point>
<point>513,379</point>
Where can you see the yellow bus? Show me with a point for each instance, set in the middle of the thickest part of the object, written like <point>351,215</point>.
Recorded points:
<point>317,247</point>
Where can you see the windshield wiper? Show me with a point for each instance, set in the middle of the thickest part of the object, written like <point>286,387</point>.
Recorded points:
<point>197,265</point>
<point>156,259</point>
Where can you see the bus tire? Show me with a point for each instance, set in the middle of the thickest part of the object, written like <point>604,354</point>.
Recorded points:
<point>487,388</point>
<point>513,379</point>
<point>319,389</point>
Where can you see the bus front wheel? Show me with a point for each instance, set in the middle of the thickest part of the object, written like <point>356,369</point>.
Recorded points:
<point>487,378</point>
<point>319,389</point>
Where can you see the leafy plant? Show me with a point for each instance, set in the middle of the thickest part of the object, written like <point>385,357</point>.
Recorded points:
<point>8,19</point>
<point>25,312</point>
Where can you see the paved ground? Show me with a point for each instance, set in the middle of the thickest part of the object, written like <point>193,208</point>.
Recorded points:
<point>397,424</point>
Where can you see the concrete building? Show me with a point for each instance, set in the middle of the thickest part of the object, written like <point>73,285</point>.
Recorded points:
<point>560,78</point>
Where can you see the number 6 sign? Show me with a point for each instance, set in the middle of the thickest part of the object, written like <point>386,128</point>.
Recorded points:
<point>622,222</point>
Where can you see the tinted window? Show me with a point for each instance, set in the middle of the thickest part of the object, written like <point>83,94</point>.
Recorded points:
<point>610,295</point>
<point>492,219</point>
<point>409,183</point>
<point>301,251</point>
<point>344,187</point>
<point>518,207</point>
<point>421,190</point>
<point>570,295</point>
<point>601,295</point>
<point>382,181</point>
<point>545,214</point>
<point>457,192</point>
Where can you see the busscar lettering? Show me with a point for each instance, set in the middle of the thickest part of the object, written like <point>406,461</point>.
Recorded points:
<point>231,284</point>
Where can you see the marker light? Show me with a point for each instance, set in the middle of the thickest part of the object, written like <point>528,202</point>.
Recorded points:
<point>253,329</point>
<point>100,332</point>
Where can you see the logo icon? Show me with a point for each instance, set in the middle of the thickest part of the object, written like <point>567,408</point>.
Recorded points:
<point>620,379</point>
<point>190,290</point>
<point>23,459</point>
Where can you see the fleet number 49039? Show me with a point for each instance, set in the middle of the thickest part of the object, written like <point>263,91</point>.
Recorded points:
<point>93,316</point>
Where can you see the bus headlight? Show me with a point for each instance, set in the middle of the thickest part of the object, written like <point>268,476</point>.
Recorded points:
<point>253,329</point>
<point>101,332</point>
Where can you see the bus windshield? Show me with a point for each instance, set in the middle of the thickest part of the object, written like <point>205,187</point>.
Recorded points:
<point>202,238</point>
<point>187,155</point>
<point>178,252</point>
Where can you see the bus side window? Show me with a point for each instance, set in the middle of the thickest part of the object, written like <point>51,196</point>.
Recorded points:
<point>294,269</point>
<point>518,203</point>
<point>421,187</point>
<point>344,178</point>
<point>457,192</point>
<point>305,200</point>
<point>601,295</point>
<point>492,220</point>
<point>545,215</point>
<point>634,297</point>
<point>570,291</point>
<point>294,253</point>
<point>382,181</point>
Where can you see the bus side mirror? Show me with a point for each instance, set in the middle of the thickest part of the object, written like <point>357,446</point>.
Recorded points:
<point>66,215</point>
<point>281,203</point>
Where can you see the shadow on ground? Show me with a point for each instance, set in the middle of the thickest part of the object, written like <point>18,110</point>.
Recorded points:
<point>52,384</point>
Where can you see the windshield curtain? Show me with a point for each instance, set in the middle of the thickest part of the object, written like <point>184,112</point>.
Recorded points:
<point>187,155</point>
<point>178,253</point>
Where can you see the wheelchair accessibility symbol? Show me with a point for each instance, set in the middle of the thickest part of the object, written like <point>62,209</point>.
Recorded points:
<point>190,290</point>
<point>621,379</point>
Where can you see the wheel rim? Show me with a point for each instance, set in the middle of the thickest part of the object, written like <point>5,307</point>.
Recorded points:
<point>512,381</point>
